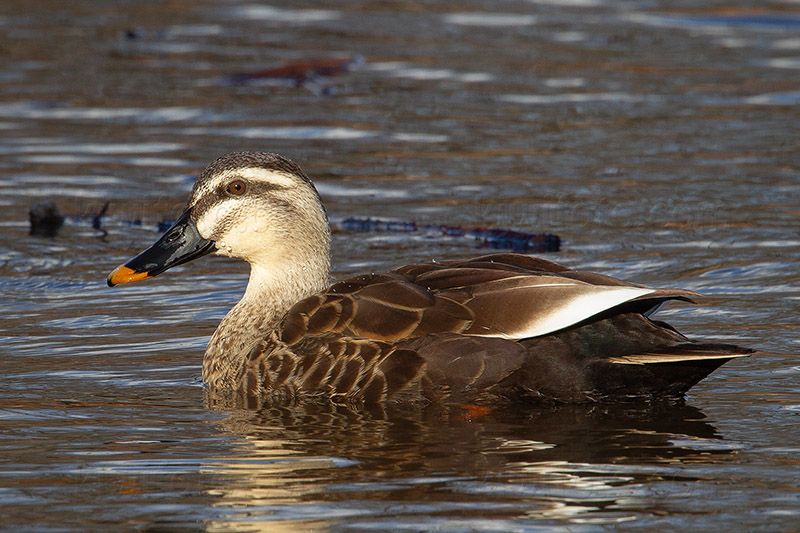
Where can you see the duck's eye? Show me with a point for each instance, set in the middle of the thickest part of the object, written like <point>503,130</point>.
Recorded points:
<point>236,188</point>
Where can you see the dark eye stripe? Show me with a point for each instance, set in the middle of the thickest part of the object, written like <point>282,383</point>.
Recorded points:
<point>212,197</point>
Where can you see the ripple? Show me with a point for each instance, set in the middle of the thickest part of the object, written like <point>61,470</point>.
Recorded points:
<point>177,377</point>
<point>578,98</point>
<point>71,159</point>
<point>706,444</point>
<point>38,110</point>
<point>709,244</point>
<point>494,20</point>
<point>717,22</point>
<point>569,3</point>
<point>561,83</point>
<point>326,133</point>
<point>358,191</point>
<point>571,36</point>
<point>391,515</point>
<point>574,488</point>
<point>195,30</point>
<point>787,44</point>
<point>336,133</point>
<point>405,70</point>
<point>784,62</point>
<point>419,137</point>
<point>65,146</point>
<point>278,15</point>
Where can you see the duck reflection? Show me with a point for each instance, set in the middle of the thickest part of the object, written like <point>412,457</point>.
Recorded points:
<point>318,465</point>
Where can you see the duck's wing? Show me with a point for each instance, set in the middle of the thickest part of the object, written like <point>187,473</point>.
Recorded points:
<point>506,296</point>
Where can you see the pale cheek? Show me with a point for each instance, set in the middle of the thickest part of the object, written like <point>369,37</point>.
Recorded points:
<point>249,240</point>
<point>252,235</point>
<point>252,228</point>
<point>208,224</point>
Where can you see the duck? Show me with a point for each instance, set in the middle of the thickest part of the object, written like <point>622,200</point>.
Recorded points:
<point>495,329</point>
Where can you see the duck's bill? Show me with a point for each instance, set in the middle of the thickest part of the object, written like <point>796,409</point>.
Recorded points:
<point>179,244</point>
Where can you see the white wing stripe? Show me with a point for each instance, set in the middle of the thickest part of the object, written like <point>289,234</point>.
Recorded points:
<point>581,306</point>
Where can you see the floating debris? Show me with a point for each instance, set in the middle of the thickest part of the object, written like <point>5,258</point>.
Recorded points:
<point>45,219</point>
<point>132,34</point>
<point>494,238</point>
<point>97,220</point>
<point>300,72</point>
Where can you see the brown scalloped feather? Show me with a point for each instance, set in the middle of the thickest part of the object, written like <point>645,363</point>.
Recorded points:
<point>466,369</point>
<point>502,295</point>
<point>410,335</point>
<point>445,332</point>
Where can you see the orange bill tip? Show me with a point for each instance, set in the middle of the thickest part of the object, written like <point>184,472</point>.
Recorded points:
<point>123,274</point>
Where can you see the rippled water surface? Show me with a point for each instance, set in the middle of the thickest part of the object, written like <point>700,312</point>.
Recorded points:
<point>658,139</point>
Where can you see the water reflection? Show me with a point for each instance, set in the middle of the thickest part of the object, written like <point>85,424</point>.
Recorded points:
<point>583,464</point>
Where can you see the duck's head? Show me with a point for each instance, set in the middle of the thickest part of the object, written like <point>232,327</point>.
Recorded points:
<point>257,206</point>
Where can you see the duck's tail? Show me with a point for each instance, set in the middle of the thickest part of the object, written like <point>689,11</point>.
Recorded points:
<point>622,357</point>
<point>673,371</point>
<point>686,353</point>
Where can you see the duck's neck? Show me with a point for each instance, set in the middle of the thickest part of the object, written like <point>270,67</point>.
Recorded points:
<point>270,293</point>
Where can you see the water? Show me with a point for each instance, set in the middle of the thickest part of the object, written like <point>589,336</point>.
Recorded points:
<point>659,140</point>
